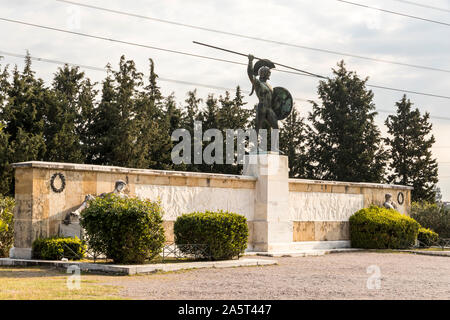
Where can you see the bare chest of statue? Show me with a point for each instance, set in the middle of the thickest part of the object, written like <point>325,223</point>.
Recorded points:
<point>264,92</point>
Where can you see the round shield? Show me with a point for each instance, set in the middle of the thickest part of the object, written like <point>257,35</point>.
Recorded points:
<point>282,102</point>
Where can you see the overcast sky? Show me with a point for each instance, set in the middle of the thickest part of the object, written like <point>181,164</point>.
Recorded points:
<point>324,24</point>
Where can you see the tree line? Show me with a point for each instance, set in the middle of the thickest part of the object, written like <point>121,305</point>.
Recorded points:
<point>126,121</point>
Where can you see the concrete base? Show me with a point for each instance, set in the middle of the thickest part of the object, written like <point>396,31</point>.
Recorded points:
<point>20,253</point>
<point>299,247</point>
<point>139,269</point>
<point>300,253</point>
<point>320,245</point>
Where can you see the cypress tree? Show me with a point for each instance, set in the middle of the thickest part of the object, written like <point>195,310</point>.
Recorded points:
<point>210,120</point>
<point>61,135</point>
<point>172,121</point>
<point>153,133</point>
<point>85,123</point>
<point>117,118</point>
<point>344,142</point>
<point>410,142</point>
<point>104,117</point>
<point>231,114</point>
<point>5,170</point>
<point>189,116</point>
<point>23,118</point>
<point>5,174</point>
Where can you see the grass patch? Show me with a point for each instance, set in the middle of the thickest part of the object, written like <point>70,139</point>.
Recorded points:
<point>37,283</point>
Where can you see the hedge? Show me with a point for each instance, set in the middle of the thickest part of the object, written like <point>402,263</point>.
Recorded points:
<point>6,225</point>
<point>57,248</point>
<point>126,230</point>
<point>224,233</point>
<point>381,228</point>
<point>427,237</point>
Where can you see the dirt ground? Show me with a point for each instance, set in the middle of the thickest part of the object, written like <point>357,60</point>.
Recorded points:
<point>333,276</point>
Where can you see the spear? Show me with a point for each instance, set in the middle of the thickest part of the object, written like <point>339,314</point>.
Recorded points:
<point>246,55</point>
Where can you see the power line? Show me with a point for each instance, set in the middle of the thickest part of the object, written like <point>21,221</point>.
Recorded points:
<point>432,117</point>
<point>59,62</point>
<point>255,38</point>
<point>423,5</point>
<point>396,13</point>
<point>408,91</point>
<point>199,56</point>
<point>170,80</point>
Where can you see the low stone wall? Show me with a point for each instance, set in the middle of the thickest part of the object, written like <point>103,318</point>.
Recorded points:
<point>40,210</point>
<point>321,209</point>
<point>278,209</point>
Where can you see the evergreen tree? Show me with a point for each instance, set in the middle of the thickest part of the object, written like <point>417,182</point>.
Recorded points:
<point>231,115</point>
<point>343,141</point>
<point>412,162</point>
<point>189,116</point>
<point>153,130</point>
<point>104,116</point>
<point>61,135</point>
<point>5,170</point>
<point>209,118</point>
<point>5,173</point>
<point>172,121</point>
<point>292,144</point>
<point>85,123</point>
<point>191,113</point>
<point>118,119</point>
<point>23,118</point>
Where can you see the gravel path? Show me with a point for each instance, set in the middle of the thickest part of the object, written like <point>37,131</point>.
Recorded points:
<point>333,276</point>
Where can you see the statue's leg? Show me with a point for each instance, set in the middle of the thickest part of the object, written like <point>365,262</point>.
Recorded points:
<point>272,118</point>
<point>259,119</point>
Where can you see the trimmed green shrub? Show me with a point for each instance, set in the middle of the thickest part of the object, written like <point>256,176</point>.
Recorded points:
<point>224,233</point>
<point>381,228</point>
<point>427,237</point>
<point>6,225</point>
<point>57,248</point>
<point>126,230</point>
<point>433,216</point>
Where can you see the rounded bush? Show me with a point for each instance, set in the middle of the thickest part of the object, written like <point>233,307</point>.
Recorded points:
<point>57,248</point>
<point>381,228</point>
<point>224,233</point>
<point>427,237</point>
<point>126,230</point>
<point>6,225</point>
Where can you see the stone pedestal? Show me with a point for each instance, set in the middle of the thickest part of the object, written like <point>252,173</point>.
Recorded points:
<point>272,227</point>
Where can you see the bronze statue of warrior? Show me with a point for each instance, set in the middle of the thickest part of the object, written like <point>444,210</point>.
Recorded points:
<point>274,103</point>
<point>264,91</point>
